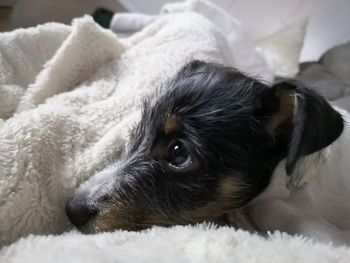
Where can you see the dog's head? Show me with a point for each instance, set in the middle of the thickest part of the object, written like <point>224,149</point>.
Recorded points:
<point>208,143</point>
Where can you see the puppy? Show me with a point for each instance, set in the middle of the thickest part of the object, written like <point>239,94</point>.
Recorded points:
<point>212,140</point>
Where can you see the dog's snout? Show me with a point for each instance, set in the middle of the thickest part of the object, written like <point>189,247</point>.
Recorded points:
<point>78,211</point>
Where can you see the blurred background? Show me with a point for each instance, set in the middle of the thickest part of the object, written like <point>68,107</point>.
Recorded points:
<point>328,24</point>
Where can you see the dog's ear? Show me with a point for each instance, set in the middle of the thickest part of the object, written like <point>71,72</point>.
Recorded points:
<point>304,117</point>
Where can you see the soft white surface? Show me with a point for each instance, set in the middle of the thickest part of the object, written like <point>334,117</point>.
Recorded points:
<point>328,27</point>
<point>281,49</point>
<point>76,94</point>
<point>200,244</point>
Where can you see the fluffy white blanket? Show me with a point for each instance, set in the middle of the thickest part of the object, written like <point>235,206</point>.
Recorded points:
<point>69,97</point>
<point>200,244</point>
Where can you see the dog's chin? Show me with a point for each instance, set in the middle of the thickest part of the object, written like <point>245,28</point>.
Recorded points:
<point>95,227</point>
<point>89,229</point>
<point>86,229</point>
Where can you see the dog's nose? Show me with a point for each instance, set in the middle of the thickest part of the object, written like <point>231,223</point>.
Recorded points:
<point>78,211</point>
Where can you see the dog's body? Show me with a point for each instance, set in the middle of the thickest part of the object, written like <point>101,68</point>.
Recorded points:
<point>213,140</point>
<point>320,207</point>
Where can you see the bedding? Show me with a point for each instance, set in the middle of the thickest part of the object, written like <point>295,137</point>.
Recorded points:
<point>281,49</point>
<point>197,244</point>
<point>69,98</point>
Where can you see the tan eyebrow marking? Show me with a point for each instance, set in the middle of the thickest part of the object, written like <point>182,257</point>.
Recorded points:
<point>172,124</point>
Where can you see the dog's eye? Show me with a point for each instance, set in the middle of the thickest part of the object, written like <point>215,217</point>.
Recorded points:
<point>178,155</point>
